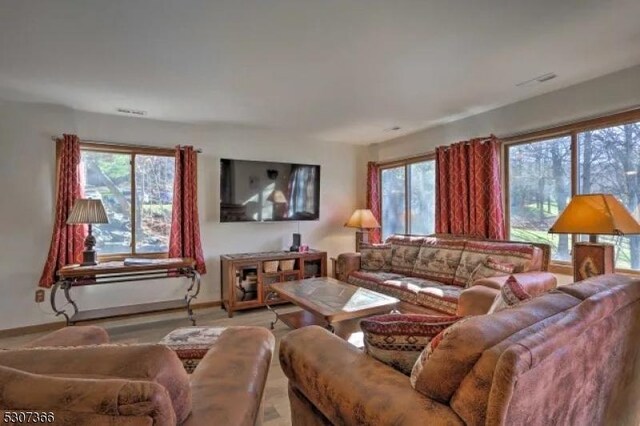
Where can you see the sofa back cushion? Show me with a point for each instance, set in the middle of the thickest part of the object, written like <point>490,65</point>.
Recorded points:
<point>405,252</point>
<point>524,257</point>
<point>438,259</point>
<point>375,257</point>
<point>590,347</point>
<point>462,345</point>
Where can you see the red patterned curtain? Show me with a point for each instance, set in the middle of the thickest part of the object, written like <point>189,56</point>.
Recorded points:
<point>185,226</point>
<point>373,198</point>
<point>67,241</point>
<point>468,189</point>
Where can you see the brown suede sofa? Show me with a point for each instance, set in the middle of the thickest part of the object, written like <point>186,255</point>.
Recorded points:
<point>435,273</point>
<point>75,374</point>
<point>567,357</point>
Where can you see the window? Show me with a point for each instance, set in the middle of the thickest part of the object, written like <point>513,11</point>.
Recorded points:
<point>136,188</point>
<point>595,156</point>
<point>408,198</point>
<point>609,162</point>
<point>539,189</point>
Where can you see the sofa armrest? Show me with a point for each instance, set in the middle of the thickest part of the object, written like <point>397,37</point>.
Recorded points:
<point>72,336</point>
<point>349,387</point>
<point>346,264</point>
<point>155,363</point>
<point>534,283</point>
<point>477,299</point>
<point>228,384</point>
<point>106,397</point>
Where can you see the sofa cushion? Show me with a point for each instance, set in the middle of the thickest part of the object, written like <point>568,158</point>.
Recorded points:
<point>405,253</point>
<point>522,256</point>
<point>491,267</point>
<point>375,257</point>
<point>438,259</point>
<point>398,339</point>
<point>369,279</point>
<point>441,297</point>
<point>510,294</point>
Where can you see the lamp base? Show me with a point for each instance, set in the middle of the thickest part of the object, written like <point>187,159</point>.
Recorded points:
<point>591,259</point>
<point>362,236</point>
<point>89,258</point>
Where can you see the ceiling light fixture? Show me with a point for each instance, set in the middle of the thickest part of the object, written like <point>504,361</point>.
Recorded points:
<point>536,80</point>
<point>131,111</point>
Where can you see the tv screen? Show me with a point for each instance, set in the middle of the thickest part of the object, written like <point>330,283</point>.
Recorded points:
<point>262,191</point>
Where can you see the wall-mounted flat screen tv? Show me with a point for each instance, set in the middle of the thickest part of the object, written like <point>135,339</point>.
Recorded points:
<point>264,191</point>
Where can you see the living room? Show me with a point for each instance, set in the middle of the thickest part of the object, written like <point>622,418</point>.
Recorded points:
<point>361,92</point>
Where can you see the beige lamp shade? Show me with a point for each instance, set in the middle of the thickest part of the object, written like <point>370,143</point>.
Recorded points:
<point>362,219</point>
<point>86,210</point>
<point>277,197</point>
<point>595,214</point>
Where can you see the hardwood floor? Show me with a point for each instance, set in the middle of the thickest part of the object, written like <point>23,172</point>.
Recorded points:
<point>152,327</point>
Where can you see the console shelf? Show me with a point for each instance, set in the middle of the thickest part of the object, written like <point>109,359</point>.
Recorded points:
<point>246,277</point>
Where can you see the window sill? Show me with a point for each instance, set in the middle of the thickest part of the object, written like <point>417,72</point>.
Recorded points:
<point>566,268</point>
<point>120,257</point>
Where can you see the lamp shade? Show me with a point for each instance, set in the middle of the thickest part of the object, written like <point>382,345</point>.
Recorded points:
<point>595,214</point>
<point>86,210</point>
<point>277,197</point>
<point>363,219</point>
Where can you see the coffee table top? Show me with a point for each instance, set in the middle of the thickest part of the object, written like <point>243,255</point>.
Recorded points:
<point>332,299</point>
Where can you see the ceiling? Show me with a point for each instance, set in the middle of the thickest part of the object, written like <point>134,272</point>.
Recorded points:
<point>332,70</point>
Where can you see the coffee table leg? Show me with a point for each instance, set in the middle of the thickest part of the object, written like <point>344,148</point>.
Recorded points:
<point>271,295</point>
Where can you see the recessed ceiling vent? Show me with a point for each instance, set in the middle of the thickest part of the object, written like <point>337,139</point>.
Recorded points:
<point>536,80</point>
<point>131,112</point>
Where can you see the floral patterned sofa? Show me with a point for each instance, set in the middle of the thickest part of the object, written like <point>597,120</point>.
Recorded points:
<point>441,273</point>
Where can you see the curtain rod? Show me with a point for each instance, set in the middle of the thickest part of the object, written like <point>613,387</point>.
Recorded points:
<point>124,145</point>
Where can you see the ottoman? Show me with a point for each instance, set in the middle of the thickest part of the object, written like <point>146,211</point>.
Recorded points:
<point>191,344</point>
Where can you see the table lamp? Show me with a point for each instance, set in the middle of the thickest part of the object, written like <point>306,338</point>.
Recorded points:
<point>594,214</point>
<point>363,220</point>
<point>88,211</point>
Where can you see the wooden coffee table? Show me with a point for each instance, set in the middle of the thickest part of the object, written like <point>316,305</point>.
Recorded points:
<point>327,302</point>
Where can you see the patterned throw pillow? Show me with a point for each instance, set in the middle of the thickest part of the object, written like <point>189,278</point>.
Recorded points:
<point>419,379</point>
<point>490,268</point>
<point>511,294</point>
<point>476,252</point>
<point>438,259</point>
<point>375,257</point>
<point>405,253</point>
<point>398,339</point>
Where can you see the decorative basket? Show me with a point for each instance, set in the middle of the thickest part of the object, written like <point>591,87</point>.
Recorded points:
<point>287,265</point>
<point>270,266</point>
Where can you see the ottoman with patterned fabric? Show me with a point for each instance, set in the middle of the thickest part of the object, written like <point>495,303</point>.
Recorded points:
<point>192,343</point>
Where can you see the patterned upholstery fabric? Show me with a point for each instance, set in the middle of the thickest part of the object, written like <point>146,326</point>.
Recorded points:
<point>191,344</point>
<point>398,339</point>
<point>441,297</point>
<point>511,293</point>
<point>476,252</point>
<point>375,257</point>
<point>438,259</point>
<point>418,291</point>
<point>490,268</point>
<point>405,253</point>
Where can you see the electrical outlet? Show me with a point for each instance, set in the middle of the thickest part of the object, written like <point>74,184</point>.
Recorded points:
<point>39,295</point>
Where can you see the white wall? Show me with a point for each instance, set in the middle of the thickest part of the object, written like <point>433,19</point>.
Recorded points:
<point>610,93</point>
<point>27,171</point>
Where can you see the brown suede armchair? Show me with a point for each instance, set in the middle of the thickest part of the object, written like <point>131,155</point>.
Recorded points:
<point>76,374</point>
<point>567,357</point>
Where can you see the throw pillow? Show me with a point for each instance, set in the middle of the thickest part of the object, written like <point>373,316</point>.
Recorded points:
<point>418,378</point>
<point>398,339</point>
<point>511,294</point>
<point>490,268</point>
<point>375,257</point>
